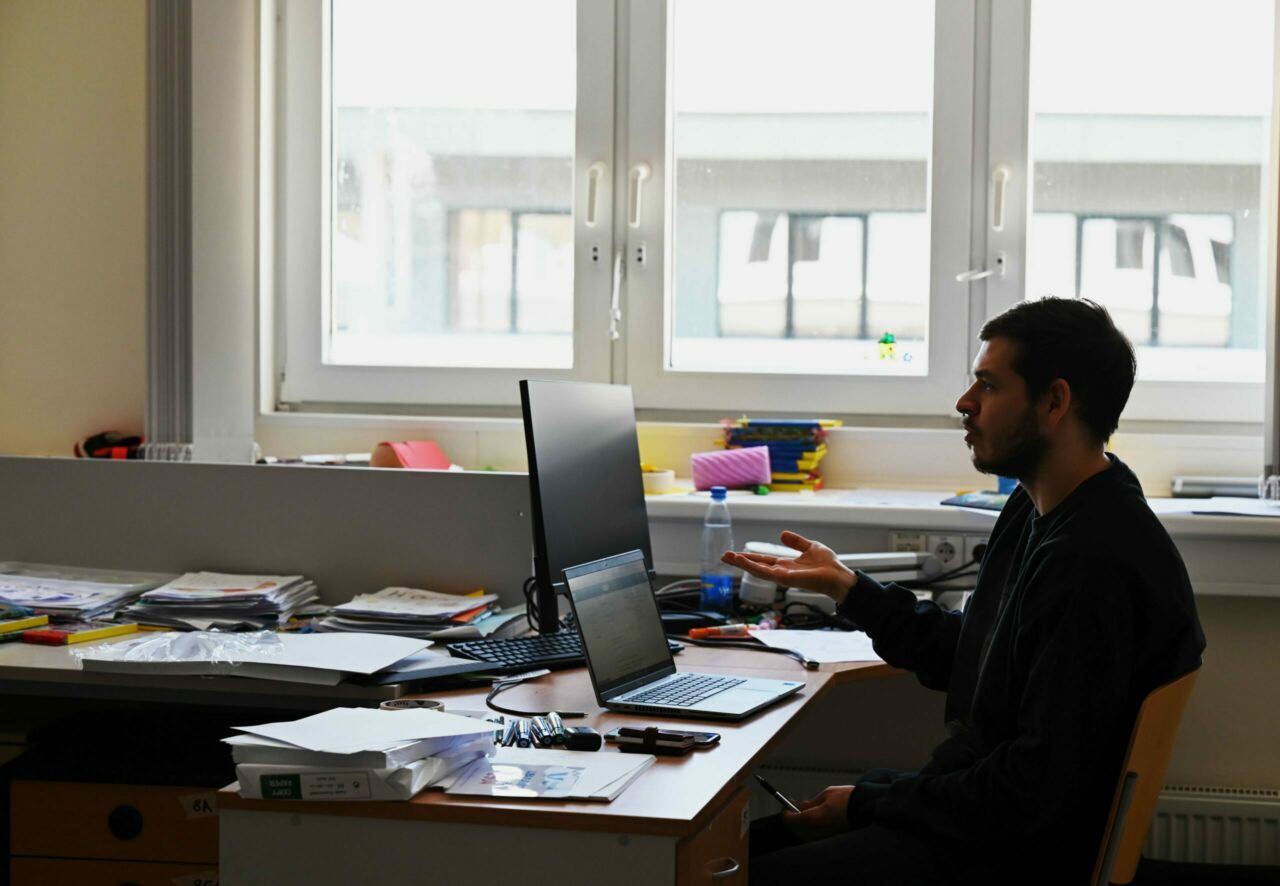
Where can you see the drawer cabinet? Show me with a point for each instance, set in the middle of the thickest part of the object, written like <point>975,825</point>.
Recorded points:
<point>101,829</point>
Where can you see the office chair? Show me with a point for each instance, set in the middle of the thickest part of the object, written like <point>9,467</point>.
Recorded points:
<point>1141,778</point>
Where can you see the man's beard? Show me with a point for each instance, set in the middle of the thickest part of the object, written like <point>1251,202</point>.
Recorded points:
<point>1022,455</point>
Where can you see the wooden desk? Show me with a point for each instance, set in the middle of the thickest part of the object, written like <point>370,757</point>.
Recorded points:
<point>683,820</point>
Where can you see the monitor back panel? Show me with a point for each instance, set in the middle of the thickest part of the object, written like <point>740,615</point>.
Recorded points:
<point>352,530</point>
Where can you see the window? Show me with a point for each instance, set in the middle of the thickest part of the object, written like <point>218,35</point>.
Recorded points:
<point>792,187</point>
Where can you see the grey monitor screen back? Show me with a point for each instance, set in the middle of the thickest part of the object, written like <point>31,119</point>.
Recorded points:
<point>352,530</point>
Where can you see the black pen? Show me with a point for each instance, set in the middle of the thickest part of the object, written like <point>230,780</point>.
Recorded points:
<point>777,794</point>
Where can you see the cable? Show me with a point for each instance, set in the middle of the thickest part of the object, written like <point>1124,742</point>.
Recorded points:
<point>501,683</point>
<point>809,664</point>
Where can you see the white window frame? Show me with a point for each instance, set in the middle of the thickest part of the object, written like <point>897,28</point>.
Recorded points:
<point>303,160</point>
<point>1009,140</point>
<point>980,122</point>
<point>649,279</point>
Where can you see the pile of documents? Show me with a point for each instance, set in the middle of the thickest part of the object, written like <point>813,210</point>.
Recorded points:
<point>320,659</point>
<point>411,612</point>
<point>67,593</point>
<point>201,601</point>
<point>796,447</point>
<point>356,754</point>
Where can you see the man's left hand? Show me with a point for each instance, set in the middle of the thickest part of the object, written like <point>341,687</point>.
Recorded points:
<point>824,816</point>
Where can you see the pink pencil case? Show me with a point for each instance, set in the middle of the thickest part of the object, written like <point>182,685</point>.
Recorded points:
<point>731,467</point>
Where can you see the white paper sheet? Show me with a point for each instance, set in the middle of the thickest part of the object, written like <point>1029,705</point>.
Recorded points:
<point>349,730</point>
<point>822,646</point>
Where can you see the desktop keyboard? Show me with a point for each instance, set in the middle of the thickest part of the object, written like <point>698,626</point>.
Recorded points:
<point>683,690</point>
<point>559,650</point>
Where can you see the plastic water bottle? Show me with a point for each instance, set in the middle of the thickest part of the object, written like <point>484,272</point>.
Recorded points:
<point>717,537</point>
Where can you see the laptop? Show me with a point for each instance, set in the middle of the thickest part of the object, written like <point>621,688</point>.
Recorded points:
<point>627,656</point>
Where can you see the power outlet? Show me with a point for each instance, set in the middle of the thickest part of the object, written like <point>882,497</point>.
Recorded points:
<point>971,545</point>
<point>948,549</point>
<point>905,540</point>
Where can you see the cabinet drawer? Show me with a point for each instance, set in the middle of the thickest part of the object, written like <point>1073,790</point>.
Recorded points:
<point>111,821</point>
<point>717,856</point>
<point>43,871</point>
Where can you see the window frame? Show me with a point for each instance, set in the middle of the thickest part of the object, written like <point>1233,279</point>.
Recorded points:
<point>1009,139</point>
<point>623,118</point>
<point>303,296</point>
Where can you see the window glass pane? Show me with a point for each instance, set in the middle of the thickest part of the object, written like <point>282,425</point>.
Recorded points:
<point>453,136</point>
<point>1151,122</point>
<point>802,140</point>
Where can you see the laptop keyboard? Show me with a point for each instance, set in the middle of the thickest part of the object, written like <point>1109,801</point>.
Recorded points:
<point>559,650</point>
<point>683,690</point>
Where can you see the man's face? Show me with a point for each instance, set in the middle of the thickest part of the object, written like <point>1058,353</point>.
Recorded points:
<point>1002,428</point>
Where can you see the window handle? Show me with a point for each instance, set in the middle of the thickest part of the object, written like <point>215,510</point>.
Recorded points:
<point>595,174</point>
<point>639,174</point>
<point>974,274</point>
<point>999,179</point>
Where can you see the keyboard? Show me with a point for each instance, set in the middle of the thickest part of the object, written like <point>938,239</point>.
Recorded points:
<point>554,651</point>
<point>683,690</point>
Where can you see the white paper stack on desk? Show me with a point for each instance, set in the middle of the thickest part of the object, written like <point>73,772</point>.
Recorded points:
<point>356,754</point>
<point>204,600</point>
<point>412,612</point>
<point>68,593</point>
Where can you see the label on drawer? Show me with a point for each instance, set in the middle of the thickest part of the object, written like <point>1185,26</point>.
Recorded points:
<point>316,786</point>
<point>204,878</point>
<point>198,805</point>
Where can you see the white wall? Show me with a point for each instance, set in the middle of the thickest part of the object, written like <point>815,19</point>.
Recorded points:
<point>72,221</point>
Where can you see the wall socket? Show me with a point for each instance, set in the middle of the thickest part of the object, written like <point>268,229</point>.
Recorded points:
<point>951,551</point>
<point>948,549</point>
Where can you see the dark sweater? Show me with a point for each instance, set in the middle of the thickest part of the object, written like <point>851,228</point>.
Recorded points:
<point>1076,616</point>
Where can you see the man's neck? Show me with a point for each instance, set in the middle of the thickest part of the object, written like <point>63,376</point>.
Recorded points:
<point>1060,474</point>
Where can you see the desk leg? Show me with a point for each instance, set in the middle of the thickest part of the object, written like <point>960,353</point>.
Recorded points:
<point>718,855</point>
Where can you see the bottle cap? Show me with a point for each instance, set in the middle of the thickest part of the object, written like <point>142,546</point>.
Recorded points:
<point>717,493</point>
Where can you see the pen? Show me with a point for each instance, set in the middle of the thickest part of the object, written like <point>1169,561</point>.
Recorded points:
<point>524,736</point>
<point>777,795</point>
<point>718,631</point>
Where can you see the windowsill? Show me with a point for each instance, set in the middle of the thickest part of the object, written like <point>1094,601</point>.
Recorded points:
<point>922,510</point>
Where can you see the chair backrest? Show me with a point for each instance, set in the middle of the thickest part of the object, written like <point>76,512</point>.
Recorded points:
<point>1141,778</point>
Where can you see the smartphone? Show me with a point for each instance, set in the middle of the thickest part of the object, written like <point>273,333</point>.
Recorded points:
<point>667,738</point>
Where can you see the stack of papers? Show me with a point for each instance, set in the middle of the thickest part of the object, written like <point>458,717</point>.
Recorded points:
<point>214,600</point>
<point>70,593</point>
<point>411,612</point>
<point>320,659</point>
<point>822,646</point>
<point>528,773</point>
<point>356,754</point>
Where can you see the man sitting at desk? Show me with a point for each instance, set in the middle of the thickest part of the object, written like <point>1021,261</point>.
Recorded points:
<point>1081,608</point>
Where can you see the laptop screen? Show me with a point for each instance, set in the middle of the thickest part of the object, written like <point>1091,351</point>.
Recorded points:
<point>618,617</point>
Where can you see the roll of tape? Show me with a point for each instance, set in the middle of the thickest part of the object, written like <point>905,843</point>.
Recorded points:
<point>408,704</point>
<point>658,482</point>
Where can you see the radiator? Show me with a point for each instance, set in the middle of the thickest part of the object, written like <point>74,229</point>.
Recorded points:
<point>1216,826</point>
<point>1208,825</point>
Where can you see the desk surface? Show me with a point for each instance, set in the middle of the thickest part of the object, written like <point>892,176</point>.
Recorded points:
<point>675,797</point>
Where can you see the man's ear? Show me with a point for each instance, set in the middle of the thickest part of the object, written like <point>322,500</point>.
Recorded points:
<point>1056,401</point>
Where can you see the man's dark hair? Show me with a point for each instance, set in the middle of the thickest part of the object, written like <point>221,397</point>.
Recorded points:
<point>1074,340</point>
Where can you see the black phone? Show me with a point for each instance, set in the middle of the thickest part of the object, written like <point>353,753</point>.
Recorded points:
<point>673,738</point>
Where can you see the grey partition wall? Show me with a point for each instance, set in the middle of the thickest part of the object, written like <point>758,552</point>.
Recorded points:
<point>352,530</point>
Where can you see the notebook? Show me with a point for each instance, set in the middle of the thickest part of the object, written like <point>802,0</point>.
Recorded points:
<point>627,655</point>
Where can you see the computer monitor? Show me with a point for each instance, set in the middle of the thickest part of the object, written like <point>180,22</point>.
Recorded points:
<point>585,483</point>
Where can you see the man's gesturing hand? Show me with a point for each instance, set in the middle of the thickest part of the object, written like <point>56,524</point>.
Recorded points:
<point>816,569</point>
<point>824,816</point>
